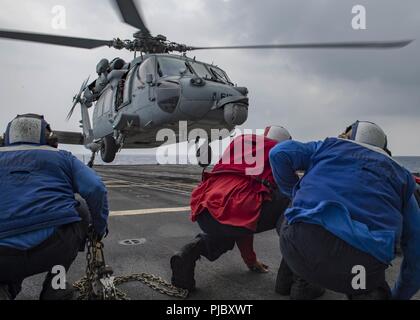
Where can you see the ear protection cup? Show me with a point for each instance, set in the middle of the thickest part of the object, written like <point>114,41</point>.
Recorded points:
<point>52,140</point>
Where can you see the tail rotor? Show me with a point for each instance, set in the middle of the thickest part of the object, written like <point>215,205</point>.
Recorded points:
<point>78,98</point>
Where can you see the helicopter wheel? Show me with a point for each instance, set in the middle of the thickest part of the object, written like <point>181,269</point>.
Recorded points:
<point>109,149</point>
<point>204,155</point>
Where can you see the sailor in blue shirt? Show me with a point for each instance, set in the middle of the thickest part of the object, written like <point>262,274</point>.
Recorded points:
<point>353,204</point>
<point>41,223</point>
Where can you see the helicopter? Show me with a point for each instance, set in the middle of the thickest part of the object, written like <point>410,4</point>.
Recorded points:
<point>133,100</point>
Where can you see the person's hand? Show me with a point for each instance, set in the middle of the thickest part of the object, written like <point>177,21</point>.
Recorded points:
<point>96,236</point>
<point>258,267</point>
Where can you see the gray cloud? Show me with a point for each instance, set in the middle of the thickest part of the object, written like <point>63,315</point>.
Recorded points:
<point>314,93</point>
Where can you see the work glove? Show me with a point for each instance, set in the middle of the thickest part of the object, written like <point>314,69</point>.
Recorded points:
<point>96,236</point>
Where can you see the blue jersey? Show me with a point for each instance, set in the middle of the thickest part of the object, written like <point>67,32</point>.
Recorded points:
<point>37,187</point>
<point>356,192</point>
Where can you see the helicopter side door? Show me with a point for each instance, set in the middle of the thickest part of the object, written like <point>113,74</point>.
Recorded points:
<point>127,91</point>
<point>103,114</point>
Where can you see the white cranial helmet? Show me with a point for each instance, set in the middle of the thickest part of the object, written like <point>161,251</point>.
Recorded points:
<point>369,133</point>
<point>277,133</point>
<point>27,128</point>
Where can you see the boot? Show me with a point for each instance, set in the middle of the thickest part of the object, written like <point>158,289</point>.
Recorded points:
<point>302,290</point>
<point>284,279</point>
<point>183,265</point>
<point>49,293</point>
<point>4,292</point>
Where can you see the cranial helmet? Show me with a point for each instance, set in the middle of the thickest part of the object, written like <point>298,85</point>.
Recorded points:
<point>277,133</point>
<point>369,133</point>
<point>28,128</point>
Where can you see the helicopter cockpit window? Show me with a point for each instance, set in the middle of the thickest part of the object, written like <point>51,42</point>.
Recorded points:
<point>220,74</point>
<point>201,70</point>
<point>168,66</point>
<point>126,96</point>
<point>147,67</point>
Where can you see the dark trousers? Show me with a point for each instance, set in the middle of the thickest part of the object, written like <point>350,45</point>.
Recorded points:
<point>59,249</point>
<point>319,257</point>
<point>219,238</point>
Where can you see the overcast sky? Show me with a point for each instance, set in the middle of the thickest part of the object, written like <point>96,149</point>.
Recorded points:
<point>313,93</point>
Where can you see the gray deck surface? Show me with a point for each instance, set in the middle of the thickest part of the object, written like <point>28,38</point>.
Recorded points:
<point>150,187</point>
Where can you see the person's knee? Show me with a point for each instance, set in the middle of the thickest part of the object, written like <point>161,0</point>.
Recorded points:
<point>281,224</point>
<point>214,247</point>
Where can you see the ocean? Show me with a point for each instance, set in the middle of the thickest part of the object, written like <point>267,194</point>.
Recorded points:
<point>411,163</point>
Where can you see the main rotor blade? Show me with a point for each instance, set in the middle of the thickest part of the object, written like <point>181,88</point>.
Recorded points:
<point>132,15</point>
<point>56,40</point>
<point>331,45</point>
<point>69,115</point>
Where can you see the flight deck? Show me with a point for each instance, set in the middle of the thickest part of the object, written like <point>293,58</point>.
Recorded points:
<point>149,222</point>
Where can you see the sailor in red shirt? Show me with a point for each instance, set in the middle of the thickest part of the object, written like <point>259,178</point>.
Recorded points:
<point>235,200</point>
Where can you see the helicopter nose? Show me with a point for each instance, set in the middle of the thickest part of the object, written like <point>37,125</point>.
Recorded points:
<point>200,96</point>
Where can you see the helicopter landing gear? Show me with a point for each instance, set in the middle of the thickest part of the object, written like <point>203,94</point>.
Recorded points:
<point>109,149</point>
<point>204,155</point>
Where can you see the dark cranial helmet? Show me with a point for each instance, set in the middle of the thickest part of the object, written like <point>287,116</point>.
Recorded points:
<point>31,129</point>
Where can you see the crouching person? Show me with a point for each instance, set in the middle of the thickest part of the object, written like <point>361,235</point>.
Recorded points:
<point>348,211</point>
<point>234,201</point>
<point>42,225</point>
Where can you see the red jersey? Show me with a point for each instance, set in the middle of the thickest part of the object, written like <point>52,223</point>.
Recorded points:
<point>235,189</point>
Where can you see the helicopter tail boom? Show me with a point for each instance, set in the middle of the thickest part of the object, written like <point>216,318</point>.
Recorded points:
<point>68,137</point>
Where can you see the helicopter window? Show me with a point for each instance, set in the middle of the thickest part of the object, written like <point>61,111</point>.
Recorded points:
<point>172,67</point>
<point>201,70</point>
<point>148,66</point>
<point>219,74</point>
<point>127,86</point>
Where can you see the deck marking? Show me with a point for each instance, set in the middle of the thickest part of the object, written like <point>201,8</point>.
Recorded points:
<point>148,211</point>
<point>132,242</point>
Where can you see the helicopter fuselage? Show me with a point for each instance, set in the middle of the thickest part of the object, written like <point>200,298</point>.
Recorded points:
<point>158,91</point>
